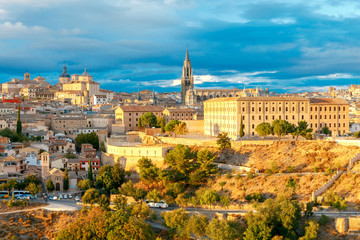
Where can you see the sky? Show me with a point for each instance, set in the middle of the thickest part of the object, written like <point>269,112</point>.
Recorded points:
<point>286,46</point>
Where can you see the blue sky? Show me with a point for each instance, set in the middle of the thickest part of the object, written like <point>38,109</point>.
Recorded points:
<point>288,46</point>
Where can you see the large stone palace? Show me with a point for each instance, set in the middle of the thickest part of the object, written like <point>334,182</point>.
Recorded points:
<point>191,96</point>
<point>225,114</point>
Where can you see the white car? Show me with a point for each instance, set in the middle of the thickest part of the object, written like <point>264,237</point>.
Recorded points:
<point>65,196</point>
<point>161,204</point>
<point>77,199</point>
<point>54,198</point>
<point>69,196</point>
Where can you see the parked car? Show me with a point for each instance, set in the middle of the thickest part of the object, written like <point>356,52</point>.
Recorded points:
<point>50,197</point>
<point>55,198</point>
<point>65,196</point>
<point>70,196</point>
<point>60,196</point>
<point>77,199</point>
<point>153,204</point>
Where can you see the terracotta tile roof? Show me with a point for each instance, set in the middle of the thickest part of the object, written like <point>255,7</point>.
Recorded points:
<point>142,108</point>
<point>328,101</point>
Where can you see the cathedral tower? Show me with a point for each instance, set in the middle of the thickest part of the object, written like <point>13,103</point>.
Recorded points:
<point>187,79</point>
<point>45,165</point>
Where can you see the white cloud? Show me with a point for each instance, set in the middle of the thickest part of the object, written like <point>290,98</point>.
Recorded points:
<point>283,20</point>
<point>17,29</point>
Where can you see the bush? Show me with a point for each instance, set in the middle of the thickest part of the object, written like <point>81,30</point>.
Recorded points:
<point>254,197</point>
<point>250,175</point>
<point>335,200</point>
<point>323,220</point>
<point>228,175</point>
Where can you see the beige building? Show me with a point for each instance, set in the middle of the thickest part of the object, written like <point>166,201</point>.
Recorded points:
<point>224,114</point>
<point>70,125</point>
<point>182,114</point>
<point>128,116</point>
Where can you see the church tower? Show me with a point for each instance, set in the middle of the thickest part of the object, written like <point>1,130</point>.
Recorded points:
<point>45,165</point>
<point>64,76</point>
<point>187,79</point>
<point>27,76</point>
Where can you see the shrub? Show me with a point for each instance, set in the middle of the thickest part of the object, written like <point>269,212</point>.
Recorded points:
<point>254,197</point>
<point>228,175</point>
<point>324,220</point>
<point>335,200</point>
<point>250,175</point>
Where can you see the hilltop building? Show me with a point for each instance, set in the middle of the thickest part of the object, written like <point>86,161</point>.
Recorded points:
<point>224,114</point>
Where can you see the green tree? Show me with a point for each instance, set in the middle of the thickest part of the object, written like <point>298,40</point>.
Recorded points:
<point>174,189</point>
<point>140,210</point>
<point>90,138</point>
<point>325,130</point>
<point>263,129</point>
<point>170,126</point>
<point>50,185</point>
<point>66,180</point>
<point>176,221</point>
<point>301,130</point>
<point>31,179</point>
<point>18,122</point>
<point>33,188</point>
<point>154,195</point>
<point>209,197</point>
<point>91,196</point>
<point>85,184</point>
<point>111,177</point>
<point>258,230</point>
<point>241,131</point>
<point>148,172</point>
<point>335,200</point>
<point>129,189</point>
<point>281,128</point>
<point>12,184</point>
<point>102,147</point>
<point>148,120</point>
<point>223,141</point>
<point>196,226</point>
<point>311,231</point>
<point>162,125</point>
<point>223,230</point>
<point>225,201</point>
<point>90,173</point>
<point>180,159</point>
<point>180,128</point>
<point>120,202</point>
<point>104,202</point>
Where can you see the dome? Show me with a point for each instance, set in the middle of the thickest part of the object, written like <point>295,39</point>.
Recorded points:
<point>64,73</point>
<point>86,74</point>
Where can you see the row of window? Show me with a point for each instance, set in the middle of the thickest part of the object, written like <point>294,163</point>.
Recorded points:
<point>320,117</point>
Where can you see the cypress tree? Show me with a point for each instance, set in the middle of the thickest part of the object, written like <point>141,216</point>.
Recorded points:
<point>162,125</point>
<point>241,131</point>
<point>18,122</point>
<point>90,174</point>
<point>66,179</point>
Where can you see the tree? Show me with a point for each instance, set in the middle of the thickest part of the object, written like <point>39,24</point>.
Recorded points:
<point>301,130</point>
<point>223,141</point>
<point>311,231</point>
<point>263,129</point>
<point>129,189</point>
<point>31,179</point>
<point>91,196</point>
<point>102,147</point>
<point>90,174</point>
<point>241,131</point>
<point>225,201</point>
<point>335,200</point>
<point>209,197</point>
<point>223,230</point>
<point>111,177</point>
<point>18,122</point>
<point>104,202</point>
<point>120,202</point>
<point>176,221</point>
<point>148,120</point>
<point>325,130</point>
<point>180,160</point>
<point>196,226</point>
<point>154,195</point>
<point>50,185</point>
<point>148,172</point>
<point>281,127</point>
<point>90,138</point>
<point>66,180</point>
<point>140,210</point>
<point>180,128</point>
<point>258,230</point>
<point>162,125</point>
<point>170,127</point>
<point>12,184</point>
<point>85,184</point>
<point>33,188</point>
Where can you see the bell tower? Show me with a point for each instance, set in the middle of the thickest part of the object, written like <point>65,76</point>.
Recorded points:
<point>187,79</point>
<point>27,76</point>
<point>45,165</point>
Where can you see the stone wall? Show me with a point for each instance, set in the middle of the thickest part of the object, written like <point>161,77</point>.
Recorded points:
<point>353,160</point>
<point>195,126</point>
<point>236,168</point>
<point>326,186</point>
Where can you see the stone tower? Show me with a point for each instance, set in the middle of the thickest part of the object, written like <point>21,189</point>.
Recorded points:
<point>45,165</point>
<point>27,76</point>
<point>187,79</point>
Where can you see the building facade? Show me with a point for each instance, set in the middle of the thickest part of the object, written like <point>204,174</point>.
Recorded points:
<point>225,114</point>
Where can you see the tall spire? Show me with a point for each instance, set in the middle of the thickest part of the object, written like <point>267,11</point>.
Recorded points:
<point>187,54</point>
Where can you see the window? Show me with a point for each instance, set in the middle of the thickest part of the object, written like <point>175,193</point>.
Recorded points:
<point>311,125</point>
<point>329,124</point>
<point>315,116</point>
<point>293,117</point>
<point>334,108</point>
<point>320,117</point>
<point>344,117</point>
<point>302,117</point>
<point>293,109</point>
<point>279,117</point>
<point>266,109</point>
<point>243,117</point>
<point>343,108</point>
<point>302,109</point>
<point>310,116</point>
<point>334,116</point>
<point>320,124</point>
<point>315,125</point>
<point>266,117</point>
<point>324,116</point>
<point>253,117</point>
<point>286,109</point>
<point>310,108</point>
<point>279,109</point>
<point>329,116</point>
<point>252,109</point>
<point>259,117</point>
<point>286,117</point>
<point>324,108</point>
<point>273,118</point>
<point>243,109</point>
<point>320,109</point>
<point>315,108</point>
<point>343,124</point>
<point>273,109</point>
<point>259,109</point>
<point>129,125</point>
<point>339,116</point>
<point>129,114</point>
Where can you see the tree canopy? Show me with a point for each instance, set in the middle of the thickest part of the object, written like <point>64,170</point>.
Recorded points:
<point>91,138</point>
<point>148,120</point>
<point>223,141</point>
<point>263,129</point>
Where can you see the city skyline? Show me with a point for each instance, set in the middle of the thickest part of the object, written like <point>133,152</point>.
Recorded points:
<point>287,47</point>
